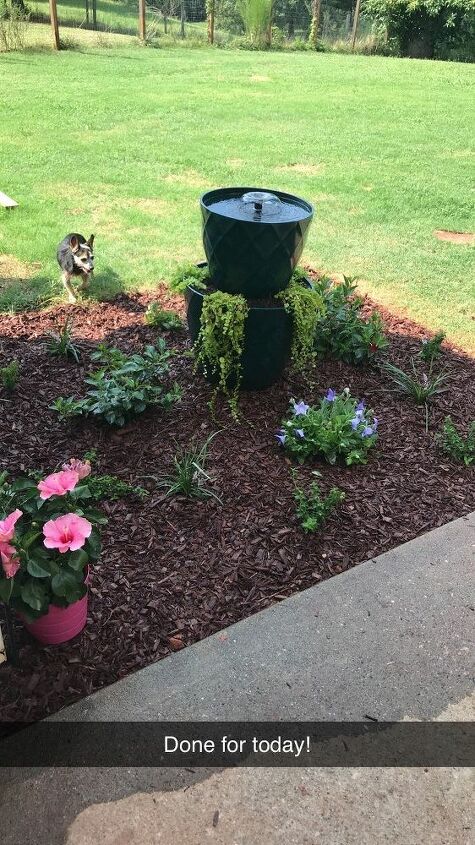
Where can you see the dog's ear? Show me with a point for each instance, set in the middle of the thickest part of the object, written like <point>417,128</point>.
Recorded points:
<point>74,243</point>
<point>91,241</point>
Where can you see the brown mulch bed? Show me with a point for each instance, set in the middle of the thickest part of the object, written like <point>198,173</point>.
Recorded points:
<point>175,570</point>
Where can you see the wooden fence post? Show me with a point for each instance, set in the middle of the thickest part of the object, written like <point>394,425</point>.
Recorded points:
<point>182,19</point>
<point>53,13</point>
<point>210,8</point>
<point>142,22</point>
<point>355,25</point>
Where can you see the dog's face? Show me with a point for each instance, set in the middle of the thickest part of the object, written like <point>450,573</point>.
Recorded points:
<point>82,254</point>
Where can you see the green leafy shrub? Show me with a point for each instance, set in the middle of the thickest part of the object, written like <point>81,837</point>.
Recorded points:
<point>61,341</point>
<point>124,387</point>
<point>306,308</point>
<point>342,332</point>
<point>189,476</point>
<point>189,274</point>
<point>426,28</point>
<point>339,428</point>
<point>313,509</point>
<point>219,346</point>
<point>462,449</point>
<point>9,375</point>
<point>159,318</point>
<point>432,348</point>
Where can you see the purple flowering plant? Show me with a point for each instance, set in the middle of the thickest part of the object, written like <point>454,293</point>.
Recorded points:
<point>339,428</point>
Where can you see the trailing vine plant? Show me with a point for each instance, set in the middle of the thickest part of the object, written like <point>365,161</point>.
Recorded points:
<point>219,346</point>
<point>306,307</point>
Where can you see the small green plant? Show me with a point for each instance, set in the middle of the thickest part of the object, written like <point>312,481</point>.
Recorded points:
<point>462,449</point>
<point>339,428</point>
<point>313,509</point>
<point>342,332</point>
<point>9,375</point>
<point>124,387</point>
<point>159,318</point>
<point>432,348</point>
<point>111,487</point>
<point>421,389</point>
<point>219,346</point>
<point>189,274</point>
<point>306,307</point>
<point>61,342</point>
<point>189,476</point>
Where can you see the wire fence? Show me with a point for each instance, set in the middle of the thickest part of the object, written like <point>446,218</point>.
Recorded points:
<point>188,19</point>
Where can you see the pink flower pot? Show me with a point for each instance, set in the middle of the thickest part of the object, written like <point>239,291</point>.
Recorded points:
<point>59,624</point>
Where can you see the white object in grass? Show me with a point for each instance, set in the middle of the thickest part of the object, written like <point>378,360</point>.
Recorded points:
<point>7,202</point>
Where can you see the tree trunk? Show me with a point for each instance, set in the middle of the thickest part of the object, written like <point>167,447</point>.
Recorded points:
<point>314,27</point>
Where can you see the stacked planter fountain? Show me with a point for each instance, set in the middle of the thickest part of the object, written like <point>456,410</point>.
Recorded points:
<point>253,240</point>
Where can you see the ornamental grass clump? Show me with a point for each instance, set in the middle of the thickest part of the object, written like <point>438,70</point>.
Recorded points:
<point>61,341</point>
<point>339,428</point>
<point>421,388</point>
<point>189,476</point>
<point>49,535</point>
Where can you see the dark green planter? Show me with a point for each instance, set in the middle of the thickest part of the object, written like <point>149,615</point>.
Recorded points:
<point>267,341</point>
<point>250,257</point>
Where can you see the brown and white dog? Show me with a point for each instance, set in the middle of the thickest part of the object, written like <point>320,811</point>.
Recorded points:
<point>76,258</point>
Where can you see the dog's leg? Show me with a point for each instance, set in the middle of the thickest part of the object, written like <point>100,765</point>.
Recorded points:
<point>66,277</point>
<point>85,280</point>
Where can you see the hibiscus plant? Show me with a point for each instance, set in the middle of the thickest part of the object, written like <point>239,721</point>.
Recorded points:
<point>48,537</point>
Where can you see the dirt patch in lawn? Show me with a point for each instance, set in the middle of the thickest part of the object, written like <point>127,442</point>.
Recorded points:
<point>455,237</point>
<point>301,167</point>
<point>175,570</point>
<point>11,270</point>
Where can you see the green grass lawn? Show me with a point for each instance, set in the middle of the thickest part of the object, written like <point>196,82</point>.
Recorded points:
<point>121,142</point>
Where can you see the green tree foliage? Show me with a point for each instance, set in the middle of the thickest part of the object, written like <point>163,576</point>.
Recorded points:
<point>427,28</point>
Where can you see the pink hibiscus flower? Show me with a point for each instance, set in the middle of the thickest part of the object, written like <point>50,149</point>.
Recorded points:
<point>66,533</point>
<point>7,526</point>
<point>83,468</point>
<point>10,563</point>
<point>58,484</point>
